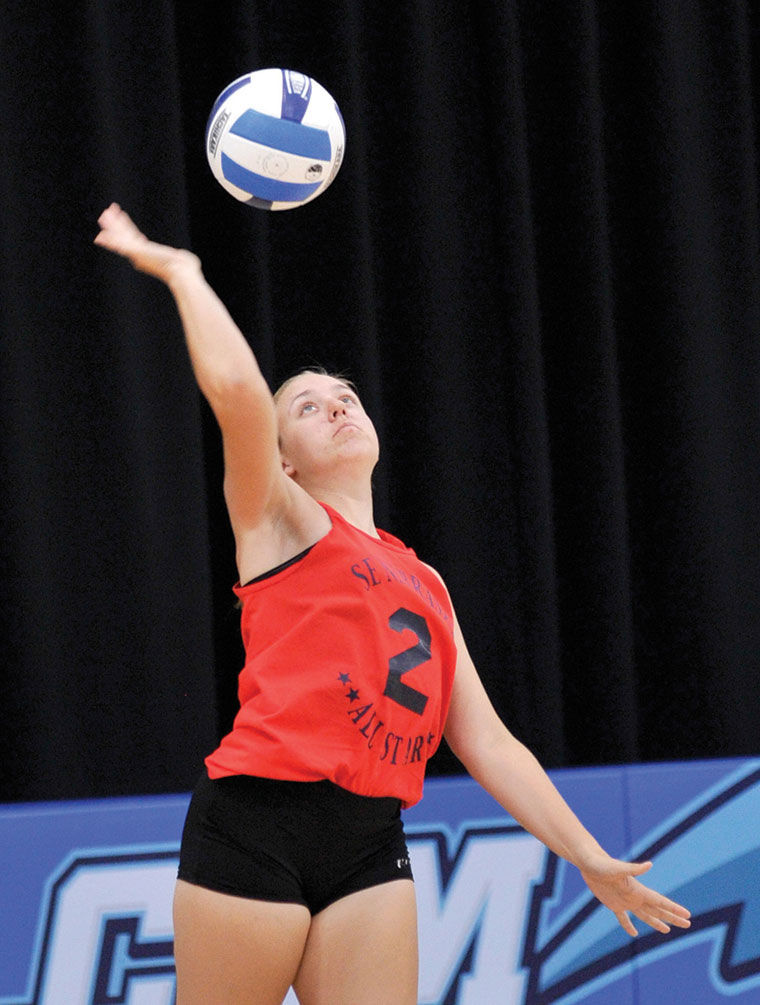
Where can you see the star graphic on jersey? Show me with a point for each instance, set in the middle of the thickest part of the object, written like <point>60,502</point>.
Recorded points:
<point>352,695</point>
<point>344,678</point>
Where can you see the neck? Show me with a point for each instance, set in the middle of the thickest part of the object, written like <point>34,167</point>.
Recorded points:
<point>354,506</point>
<point>357,511</point>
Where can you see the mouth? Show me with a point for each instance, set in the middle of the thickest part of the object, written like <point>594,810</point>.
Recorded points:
<point>346,425</point>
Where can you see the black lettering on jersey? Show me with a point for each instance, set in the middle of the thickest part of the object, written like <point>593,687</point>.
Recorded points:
<point>403,662</point>
<point>356,570</point>
<point>371,570</point>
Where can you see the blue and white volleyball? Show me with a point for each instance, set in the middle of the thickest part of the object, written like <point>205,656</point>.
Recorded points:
<point>275,139</point>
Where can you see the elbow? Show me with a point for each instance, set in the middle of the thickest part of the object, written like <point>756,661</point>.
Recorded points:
<point>475,749</point>
<point>485,752</point>
<point>230,390</point>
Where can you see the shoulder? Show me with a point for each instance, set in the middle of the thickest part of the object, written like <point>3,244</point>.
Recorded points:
<point>437,575</point>
<point>283,533</point>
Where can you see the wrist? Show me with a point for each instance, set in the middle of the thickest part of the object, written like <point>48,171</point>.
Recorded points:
<point>591,860</point>
<point>184,268</point>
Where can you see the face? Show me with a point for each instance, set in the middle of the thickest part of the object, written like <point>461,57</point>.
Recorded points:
<point>322,426</point>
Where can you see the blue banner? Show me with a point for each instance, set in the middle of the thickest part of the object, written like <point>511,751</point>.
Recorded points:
<point>86,889</point>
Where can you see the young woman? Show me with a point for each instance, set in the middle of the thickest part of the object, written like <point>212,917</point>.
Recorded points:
<point>293,869</point>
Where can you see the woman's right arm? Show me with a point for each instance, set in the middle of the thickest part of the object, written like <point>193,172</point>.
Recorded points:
<point>225,369</point>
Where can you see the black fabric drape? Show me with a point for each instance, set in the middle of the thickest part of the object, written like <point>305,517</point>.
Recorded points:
<point>539,262</point>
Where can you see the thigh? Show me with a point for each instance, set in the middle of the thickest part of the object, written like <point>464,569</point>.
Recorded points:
<point>362,949</point>
<point>233,950</point>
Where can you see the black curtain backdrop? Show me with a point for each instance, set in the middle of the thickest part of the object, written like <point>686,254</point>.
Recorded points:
<point>539,262</point>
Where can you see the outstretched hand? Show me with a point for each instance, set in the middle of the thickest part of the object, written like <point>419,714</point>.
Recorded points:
<point>118,233</point>
<point>614,883</point>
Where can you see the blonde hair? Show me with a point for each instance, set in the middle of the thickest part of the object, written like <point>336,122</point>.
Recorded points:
<point>320,371</point>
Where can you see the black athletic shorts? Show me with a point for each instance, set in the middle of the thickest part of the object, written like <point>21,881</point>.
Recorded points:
<point>305,843</point>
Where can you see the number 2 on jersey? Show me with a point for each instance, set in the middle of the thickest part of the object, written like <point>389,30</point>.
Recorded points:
<point>403,662</point>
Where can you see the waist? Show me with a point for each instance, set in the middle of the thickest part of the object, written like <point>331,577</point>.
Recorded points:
<point>299,796</point>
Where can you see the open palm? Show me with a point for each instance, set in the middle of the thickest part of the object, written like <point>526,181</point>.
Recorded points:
<point>614,883</point>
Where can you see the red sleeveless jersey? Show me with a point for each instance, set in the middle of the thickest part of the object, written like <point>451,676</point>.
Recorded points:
<point>350,659</point>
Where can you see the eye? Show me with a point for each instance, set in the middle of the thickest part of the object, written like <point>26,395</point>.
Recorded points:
<point>348,399</point>
<point>307,406</point>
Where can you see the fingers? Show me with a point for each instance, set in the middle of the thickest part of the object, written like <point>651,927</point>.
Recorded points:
<point>668,910</point>
<point>679,915</point>
<point>107,223</point>
<point>654,922</point>
<point>660,915</point>
<point>663,921</point>
<point>114,217</point>
<point>118,233</point>
<point>637,868</point>
<point>675,915</point>
<point>111,214</point>
<point>109,211</point>
<point>649,906</point>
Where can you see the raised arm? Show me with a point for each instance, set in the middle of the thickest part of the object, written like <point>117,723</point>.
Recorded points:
<point>509,772</point>
<point>225,369</point>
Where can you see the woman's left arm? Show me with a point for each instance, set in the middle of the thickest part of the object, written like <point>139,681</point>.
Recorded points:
<point>509,772</point>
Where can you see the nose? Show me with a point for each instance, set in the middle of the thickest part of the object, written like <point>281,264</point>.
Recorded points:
<point>337,408</point>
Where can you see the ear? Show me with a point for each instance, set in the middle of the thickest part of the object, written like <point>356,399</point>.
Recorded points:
<point>287,467</point>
